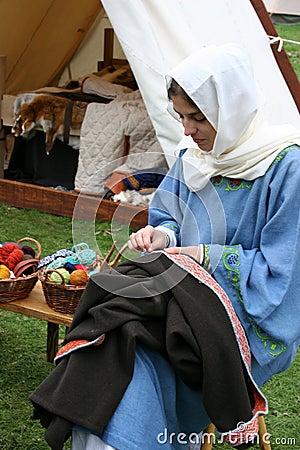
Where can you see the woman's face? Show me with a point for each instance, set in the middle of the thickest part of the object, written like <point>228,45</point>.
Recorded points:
<point>195,123</point>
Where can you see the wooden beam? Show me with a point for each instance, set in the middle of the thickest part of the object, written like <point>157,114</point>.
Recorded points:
<point>108,46</point>
<point>72,205</point>
<point>2,132</point>
<point>281,57</point>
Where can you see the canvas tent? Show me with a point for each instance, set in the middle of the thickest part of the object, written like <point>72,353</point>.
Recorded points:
<point>41,37</point>
<point>283,11</point>
<point>236,21</point>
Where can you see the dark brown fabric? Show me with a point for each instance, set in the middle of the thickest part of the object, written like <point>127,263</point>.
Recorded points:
<point>173,314</point>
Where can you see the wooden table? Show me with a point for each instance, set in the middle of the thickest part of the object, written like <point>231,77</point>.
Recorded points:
<point>35,306</point>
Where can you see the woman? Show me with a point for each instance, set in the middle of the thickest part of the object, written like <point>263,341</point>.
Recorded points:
<point>249,230</point>
<point>231,204</point>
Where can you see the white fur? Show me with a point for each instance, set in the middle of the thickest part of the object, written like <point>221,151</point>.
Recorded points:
<point>23,98</point>
<point>45,124</point>
<point>133,197</point>
<point>26,131</point>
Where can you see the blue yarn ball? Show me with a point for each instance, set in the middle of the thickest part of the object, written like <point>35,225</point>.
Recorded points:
<point>69,267</point>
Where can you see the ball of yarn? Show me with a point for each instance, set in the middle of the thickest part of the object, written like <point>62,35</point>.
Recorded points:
<point>69,267</point>
<point>81,267</point>
<point>10,242</point>
<point>57,279</point>
<point>79,277</point>
<point>10,255</point>
<point>28,250</point>
<point>4,271</point>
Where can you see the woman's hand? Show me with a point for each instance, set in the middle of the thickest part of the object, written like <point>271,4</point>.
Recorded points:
<point>147,239</point>
<point>195,252</point>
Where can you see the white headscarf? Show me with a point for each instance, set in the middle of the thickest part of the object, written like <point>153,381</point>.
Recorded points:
<point>220,81</point>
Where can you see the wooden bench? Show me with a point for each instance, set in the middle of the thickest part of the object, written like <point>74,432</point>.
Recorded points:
<point>35,306</point>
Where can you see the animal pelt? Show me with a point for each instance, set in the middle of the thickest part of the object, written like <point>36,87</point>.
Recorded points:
<point>32,111</point>
<point>121,75</point>
<point>115,74</point>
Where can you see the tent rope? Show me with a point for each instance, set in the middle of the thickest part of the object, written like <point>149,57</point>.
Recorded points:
<point>280,40</point>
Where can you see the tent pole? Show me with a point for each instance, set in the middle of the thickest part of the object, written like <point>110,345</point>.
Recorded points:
<point>108,46</point>
<point>281,57</point>
<point>2,133</point>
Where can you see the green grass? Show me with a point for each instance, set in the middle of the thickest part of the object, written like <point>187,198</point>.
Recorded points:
<point>291,32</point>
<point>54,232</point>
<point>23,367</point>
<point>23,339</point>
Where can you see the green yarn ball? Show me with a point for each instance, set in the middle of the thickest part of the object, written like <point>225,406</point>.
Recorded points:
<point>57,279</point>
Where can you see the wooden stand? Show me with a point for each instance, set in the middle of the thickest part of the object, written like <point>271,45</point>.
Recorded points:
<point>263,436</point>
<point>35,306</point>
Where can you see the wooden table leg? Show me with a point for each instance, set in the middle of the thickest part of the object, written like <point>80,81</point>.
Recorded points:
<point>52,340</point>
<point>208,437</point>
<point>264,441</point>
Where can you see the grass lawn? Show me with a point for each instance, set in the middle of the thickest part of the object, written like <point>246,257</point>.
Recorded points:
<point>291,33</point>
<point>23,367</point>
<point>23,345</point>
<point>23,339</point>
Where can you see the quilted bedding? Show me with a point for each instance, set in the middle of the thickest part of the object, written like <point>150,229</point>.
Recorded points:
<point>102,141</point>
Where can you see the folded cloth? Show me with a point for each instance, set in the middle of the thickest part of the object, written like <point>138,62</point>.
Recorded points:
<point>143,179</point>
<point>176,309</point>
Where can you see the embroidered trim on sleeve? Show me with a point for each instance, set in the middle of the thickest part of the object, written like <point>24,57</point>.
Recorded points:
<point>231,262</point>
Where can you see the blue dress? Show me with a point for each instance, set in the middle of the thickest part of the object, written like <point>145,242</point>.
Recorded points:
<point>251,234</point>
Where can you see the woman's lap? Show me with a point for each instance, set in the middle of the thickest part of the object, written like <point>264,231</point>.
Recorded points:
<point>156,407</point>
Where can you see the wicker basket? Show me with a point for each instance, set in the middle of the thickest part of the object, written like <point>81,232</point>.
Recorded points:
<point>64,298</point>
<point>19,288</point>
<point>61,297</point>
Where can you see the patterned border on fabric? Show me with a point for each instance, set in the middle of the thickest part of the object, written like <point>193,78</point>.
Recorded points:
<point>231,184</point>
<point>245,432</point>
<point>76,345</point>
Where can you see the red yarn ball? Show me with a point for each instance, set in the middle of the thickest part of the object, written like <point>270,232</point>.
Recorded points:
<point>11,255</point>
<point>81,267</point>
